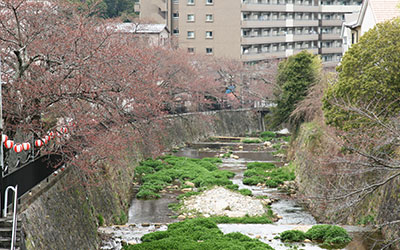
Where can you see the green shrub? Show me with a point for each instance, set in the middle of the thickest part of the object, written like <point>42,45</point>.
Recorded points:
<point>232,187</point>
<point>261,165</point>
<point>251,141</point>
<point>187,194</point>
<point>100,218</point>
<point>254,180</point>
<point>264,219</point>
<point>197,234</point>
<point>155,175</point>
<point>328,234</point>
<point>268,174</point>
<point>267,135</point>
<point>147,194</point>
<point>368,219</point>
<point>245,192</point>
<point>292,236</point>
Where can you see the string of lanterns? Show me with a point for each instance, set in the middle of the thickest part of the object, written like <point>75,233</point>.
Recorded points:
<point>25,146</point>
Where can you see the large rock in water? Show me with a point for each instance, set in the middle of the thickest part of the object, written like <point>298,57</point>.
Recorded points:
<point>220,201</point>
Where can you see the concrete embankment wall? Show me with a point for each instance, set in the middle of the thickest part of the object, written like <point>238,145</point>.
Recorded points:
<point>67,214</point>
<point>317,176</point>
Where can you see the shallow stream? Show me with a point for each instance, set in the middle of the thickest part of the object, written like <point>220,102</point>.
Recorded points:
<point>147,216</point>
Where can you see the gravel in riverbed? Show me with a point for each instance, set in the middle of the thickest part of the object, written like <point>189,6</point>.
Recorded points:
<point>220,201</point>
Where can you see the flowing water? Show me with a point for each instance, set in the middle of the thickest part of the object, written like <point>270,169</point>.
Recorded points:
<point>147,216</point>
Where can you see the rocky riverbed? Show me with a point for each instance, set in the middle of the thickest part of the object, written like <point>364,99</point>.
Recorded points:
<point>146,216</point>
<point>220,201</point>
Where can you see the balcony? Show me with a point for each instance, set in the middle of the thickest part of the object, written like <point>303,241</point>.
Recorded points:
<point>263,39</point>
<point>332,50</point>
<point>263,7</point>
<point>334,22</point>
<point>303,23</point>
<point>310,50</point>
<point>305,8</point>
<point>263,56</point>
<point>301,37</point>
<point>263,23</point>
<point>331,37</point>
<point>279,38</point>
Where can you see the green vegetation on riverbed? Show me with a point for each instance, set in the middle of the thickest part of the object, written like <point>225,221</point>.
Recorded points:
<point>197,234</point>
<point>268,174</point>
<point>328,235</point>
<point>249,140</point>
<point>264,219</point>
<point>155,175</point>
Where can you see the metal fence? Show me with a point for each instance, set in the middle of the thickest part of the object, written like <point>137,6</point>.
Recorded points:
<point>30,175</point>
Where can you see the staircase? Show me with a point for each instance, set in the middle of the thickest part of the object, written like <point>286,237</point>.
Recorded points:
<point>6,232</point>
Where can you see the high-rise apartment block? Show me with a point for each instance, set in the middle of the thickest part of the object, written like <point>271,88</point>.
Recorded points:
<point>254,30</point>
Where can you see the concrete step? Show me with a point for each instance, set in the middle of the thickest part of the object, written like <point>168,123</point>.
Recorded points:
<point>7,222</point>
<point>7,232</point>
<point>5,242</point>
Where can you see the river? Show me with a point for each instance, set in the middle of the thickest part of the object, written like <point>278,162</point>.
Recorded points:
<point>151,215</point>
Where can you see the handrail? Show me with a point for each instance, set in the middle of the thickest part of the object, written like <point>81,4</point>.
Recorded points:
<point>14,221</point>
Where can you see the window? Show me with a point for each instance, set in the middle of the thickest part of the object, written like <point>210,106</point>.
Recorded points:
<point>175,15</point>
<point>209,18</point>
<point>190,17</point>
<point>209,34</point>
<point>190,34</point>
<point>175,1</point>
<point>190,50</point>
<point>209,51</point>
<point>175,31</point>
<point>190,2</point>
<point>209,2</point>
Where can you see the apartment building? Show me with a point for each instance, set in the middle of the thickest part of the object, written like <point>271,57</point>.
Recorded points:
<point>255,30</point>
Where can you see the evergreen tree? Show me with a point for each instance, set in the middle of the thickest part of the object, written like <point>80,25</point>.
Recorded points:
<point>295,75</point>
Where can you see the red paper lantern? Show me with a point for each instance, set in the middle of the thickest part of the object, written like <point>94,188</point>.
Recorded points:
<point>26,146</point>
<point>47,138</point>
<point>38,143</point>
<point>45,141</point>
<point>4,138</point>
<point>55,173</point>
<point>9,144</point>
<point>64,130</point>
<point>51,135</point>
<point>18,148</point>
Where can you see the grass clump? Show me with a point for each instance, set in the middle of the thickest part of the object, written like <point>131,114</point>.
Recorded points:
<point>264,219</point>
<point>268,174</point>
<point>245,191</point>
<point>197,234</point>
<point>155,175</point>
<point>267,135</point>
<point>292,236</point>
<point>328,234</point>
<point>248,140</point>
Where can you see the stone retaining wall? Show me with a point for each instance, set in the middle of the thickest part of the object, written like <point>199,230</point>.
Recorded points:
<point>67,215</point>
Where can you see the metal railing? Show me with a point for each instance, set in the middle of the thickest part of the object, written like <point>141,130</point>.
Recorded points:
<point>14,219</point>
